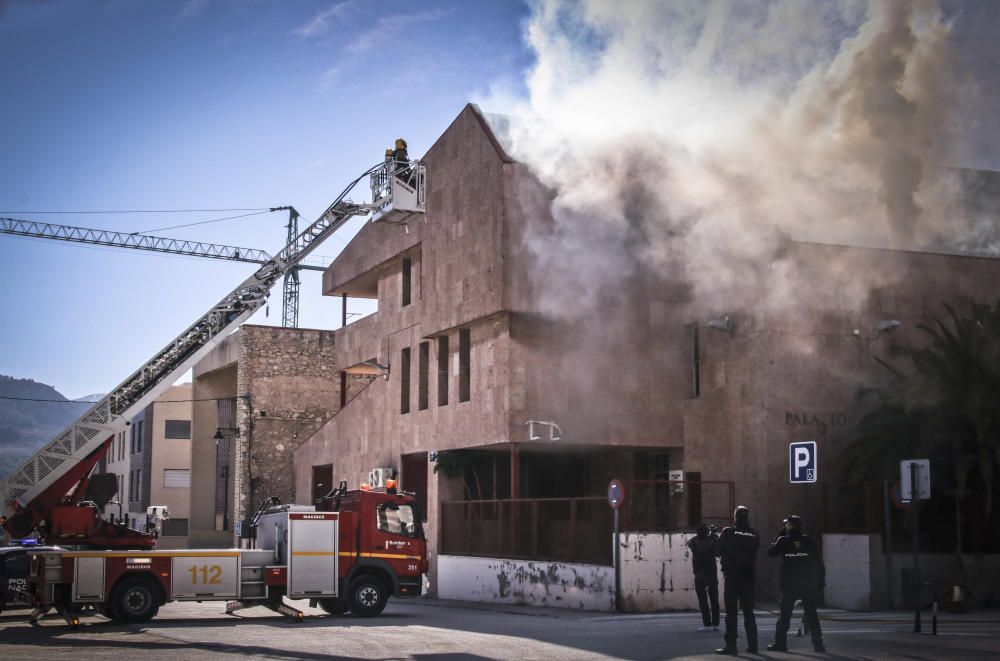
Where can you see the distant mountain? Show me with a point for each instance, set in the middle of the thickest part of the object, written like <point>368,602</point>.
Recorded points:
<point>91,399</point>
<point>31,414</point>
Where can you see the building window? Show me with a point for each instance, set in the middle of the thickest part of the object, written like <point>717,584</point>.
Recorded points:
<point>177,478</point>
<point>121,487</point>
<point>691,332</point>
<point>404,381</point>
<point>177,429</point>
<point>442,359</point>
<point>131,440</point>
<point>138,485</point>
<point>138,438</point>
<point>407,280</point>
<point>175,528</point>
<point>131,486</point>
<point>464,364</point>
<point>423,385</point>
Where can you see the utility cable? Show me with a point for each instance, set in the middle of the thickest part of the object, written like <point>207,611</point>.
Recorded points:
<point>202,222</point>
<point>146,211</point>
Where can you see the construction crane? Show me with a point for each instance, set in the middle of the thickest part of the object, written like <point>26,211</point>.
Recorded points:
<point>44,494</point>
<point>138,241</point>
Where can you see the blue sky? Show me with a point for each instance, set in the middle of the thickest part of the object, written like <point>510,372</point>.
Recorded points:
<point>212,104</point>
<point>217,104</point>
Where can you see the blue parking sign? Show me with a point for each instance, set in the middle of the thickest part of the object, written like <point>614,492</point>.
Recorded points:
<point>802,462</point>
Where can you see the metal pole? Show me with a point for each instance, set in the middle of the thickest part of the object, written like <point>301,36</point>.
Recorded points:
<point>618,566</point>
<point>887,513</point>
<point>914,504</point>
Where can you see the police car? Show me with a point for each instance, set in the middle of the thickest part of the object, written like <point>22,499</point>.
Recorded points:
<point>14,561</point>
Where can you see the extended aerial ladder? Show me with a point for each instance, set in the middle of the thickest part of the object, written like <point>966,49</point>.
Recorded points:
<point>149,242</point>
<point>44,494</point>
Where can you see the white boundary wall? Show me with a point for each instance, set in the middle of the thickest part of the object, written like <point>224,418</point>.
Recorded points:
<point>657,573</point>
<point>533,583</point>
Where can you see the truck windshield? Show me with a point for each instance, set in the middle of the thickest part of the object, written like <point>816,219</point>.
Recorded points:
<point>397,520</point>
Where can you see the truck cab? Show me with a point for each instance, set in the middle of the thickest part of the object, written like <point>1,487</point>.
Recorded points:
<point>389,551</point>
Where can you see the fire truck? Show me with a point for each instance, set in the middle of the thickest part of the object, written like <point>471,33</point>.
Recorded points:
<point>349,551</point>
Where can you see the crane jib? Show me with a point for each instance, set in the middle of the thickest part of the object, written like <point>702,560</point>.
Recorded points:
<point>112,413</point>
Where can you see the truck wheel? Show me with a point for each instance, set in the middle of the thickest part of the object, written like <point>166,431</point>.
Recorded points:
<point>134,599</point>
<point>333,606</point>
<point>367,596</point>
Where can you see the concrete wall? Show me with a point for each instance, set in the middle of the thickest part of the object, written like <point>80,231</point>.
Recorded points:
<point>214,378</point>
<point>554,584</point>
<point>849,570</point>
<point>656,572</point>
<point>856,573</point>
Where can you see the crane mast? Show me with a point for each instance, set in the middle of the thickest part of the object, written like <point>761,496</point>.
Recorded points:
<point>33,495</point>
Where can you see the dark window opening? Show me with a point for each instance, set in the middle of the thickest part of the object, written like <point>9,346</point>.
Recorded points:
<point>692,337</point>
<point>322,481</point>
<point>177,429</point>
<point>555,476</point>
<point>442,370</point>
<point>464,364</point>
<point>407,280</point>
<point>423,383</point>
<point>404,378</point>
<point>414,479</point>
<point>175,528</point>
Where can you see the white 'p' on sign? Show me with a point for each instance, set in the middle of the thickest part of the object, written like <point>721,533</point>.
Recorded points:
<point>802,462</point>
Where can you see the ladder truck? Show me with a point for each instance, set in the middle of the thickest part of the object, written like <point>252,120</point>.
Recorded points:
<point>347,558</point>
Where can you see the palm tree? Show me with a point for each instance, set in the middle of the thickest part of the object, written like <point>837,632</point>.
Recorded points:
<point>943,402</point>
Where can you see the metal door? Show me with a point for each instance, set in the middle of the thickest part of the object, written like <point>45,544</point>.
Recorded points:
<point>88,579</point>
<point>205,575</point>
<point>313,564</point>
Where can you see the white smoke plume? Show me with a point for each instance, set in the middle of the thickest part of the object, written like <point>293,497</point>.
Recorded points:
<point>686,137</point>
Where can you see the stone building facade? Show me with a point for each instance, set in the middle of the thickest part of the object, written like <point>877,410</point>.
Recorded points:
<point>712,387</point>
<point>258,395</point>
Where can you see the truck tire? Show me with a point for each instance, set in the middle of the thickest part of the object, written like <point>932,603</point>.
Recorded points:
<point>333,606</point>
<point>367,596</point>
<point>134,599</point>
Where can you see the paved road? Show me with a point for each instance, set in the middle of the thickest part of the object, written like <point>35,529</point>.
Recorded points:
<point>449,631</point>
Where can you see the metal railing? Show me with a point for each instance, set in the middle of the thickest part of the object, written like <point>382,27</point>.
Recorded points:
<point>674,506</point>
<point>559,529</point>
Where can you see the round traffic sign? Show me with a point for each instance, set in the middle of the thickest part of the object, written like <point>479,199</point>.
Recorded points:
<point>616,494</point>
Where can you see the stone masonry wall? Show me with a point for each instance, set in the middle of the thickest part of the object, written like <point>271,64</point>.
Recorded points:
<point>288,386</point>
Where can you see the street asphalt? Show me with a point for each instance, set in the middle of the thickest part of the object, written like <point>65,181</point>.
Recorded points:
<point>425,629</point>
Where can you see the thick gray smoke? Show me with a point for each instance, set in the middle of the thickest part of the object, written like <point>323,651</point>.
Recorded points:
<point>687,137</point>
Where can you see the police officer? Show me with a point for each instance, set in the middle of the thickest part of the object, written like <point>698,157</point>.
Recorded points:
<point>706,578</point>
<point>803,576</point>
<point>737,548</point>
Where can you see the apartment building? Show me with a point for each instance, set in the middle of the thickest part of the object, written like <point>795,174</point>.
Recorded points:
<point>152,461</point>
<point>509,420</point>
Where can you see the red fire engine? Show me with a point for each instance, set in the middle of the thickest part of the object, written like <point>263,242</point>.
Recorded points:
<point>349,551</point>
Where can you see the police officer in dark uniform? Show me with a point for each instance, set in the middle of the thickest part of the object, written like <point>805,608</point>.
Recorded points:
<point>737,548</point>
<point>706,578</point>
<point>803,576</point>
